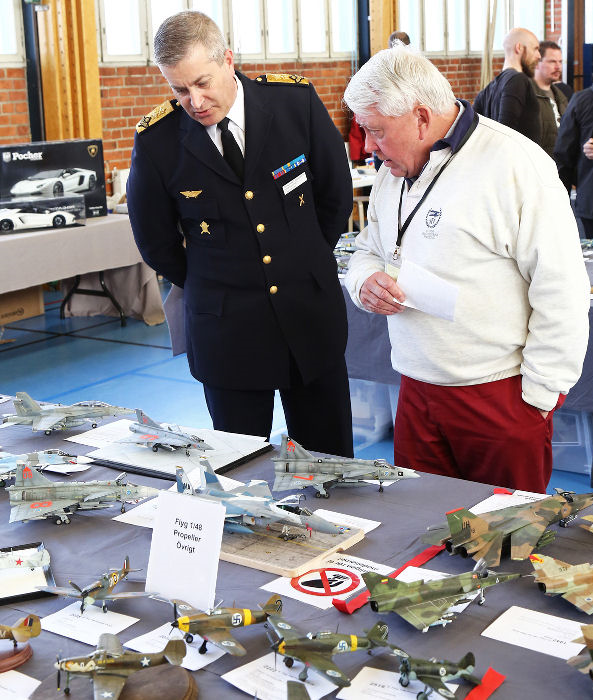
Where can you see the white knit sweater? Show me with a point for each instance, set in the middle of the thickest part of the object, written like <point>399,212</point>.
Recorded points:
<point>507,238</point>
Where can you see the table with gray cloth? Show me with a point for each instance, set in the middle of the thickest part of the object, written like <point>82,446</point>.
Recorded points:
<point>93,543</point>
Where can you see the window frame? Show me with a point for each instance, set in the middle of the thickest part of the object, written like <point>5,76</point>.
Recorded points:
<point>18,59</point>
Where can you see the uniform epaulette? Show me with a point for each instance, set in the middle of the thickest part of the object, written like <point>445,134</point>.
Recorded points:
<point>286,78</point>
<point>157,114</point>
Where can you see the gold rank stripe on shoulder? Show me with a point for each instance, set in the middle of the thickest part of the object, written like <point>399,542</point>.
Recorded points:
<point>156,115</point>
<point>286,78</point>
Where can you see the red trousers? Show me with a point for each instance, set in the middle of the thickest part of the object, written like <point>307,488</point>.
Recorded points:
<point>482,432</point>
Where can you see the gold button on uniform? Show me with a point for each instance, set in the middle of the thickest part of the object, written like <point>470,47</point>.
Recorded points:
<point>273,289</point>
<point>249,194</point>
<point>267,259</point>
<point>260,227</point>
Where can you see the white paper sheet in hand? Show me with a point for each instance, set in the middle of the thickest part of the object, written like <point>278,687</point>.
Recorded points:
<point>427,292</point>
<point>86,627</point>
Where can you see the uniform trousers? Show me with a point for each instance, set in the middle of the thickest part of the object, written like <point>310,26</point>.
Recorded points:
<point>482,432</point>
<point>318,414</point>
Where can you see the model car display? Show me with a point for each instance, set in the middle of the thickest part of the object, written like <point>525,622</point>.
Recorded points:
<point>56,182</point>
<point>34,217</point>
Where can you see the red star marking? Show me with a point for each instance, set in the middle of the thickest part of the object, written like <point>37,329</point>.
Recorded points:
<point>19,562</point>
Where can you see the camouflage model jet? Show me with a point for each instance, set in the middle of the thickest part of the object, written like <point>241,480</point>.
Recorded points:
<point>35,497</point>
<point>252,504</point>
<point>109,665</point>
<point>101,590</point>
<point>16,560</point>
<point>584,661</point>
<point>214,625</point>
<point>427,603</point>
<point>58,417</point>
<point>518,528</point>
<point>296,469</point>
<point>22,631</point>
<point>43,458</point>
<point>169,437</point>
<point>574,582</point>
<point>315,650</point>
<point>434,673</point>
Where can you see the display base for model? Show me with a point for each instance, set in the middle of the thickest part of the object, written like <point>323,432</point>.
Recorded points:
<point>14,657</point>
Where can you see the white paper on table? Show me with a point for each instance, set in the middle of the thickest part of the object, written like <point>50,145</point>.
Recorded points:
<point>416,573</point>
<point>349,569</point>
<point>426,291</point>
<point>504,500</point>
<point>537,631</point>
<point>349,520</point>
<point>68,468</point>
<point>185,549</point>
<point>104,434</point>
<point>382,685</point>
<point>15,685</point>
<point>155,641</point>
<point>86,627</point>
<point>266,679</point>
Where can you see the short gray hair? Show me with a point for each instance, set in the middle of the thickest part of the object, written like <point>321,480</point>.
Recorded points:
<point>179,33</point>
<point>394,81</point>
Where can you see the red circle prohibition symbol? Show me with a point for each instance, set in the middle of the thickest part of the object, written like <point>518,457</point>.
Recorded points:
<point>327,582</point>
<point>41,504</point>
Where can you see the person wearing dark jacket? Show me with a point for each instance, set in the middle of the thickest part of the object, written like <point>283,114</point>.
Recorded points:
<point>510,98</point>
<point>552,101</point>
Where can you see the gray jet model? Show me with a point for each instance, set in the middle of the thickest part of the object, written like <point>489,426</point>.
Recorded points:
<point>252,504</point>
<point>58,417</point>
<point>35,497</point>
<point>296,469</point>
<point>170,437</point>
<point>8,462</point>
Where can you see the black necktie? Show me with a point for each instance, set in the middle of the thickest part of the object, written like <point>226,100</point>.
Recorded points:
<point>231,151</point>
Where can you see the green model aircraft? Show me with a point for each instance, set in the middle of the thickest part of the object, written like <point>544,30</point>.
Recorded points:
<point>584,661</point>
<point>520,529</point>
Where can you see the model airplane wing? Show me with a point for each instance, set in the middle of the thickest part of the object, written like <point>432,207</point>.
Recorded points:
<point>424,614</point>
<point>283,482</point>
<point>324,665</point>
<point>282,628</point>
<point>583,600</point>
<point>26,511</point>
<point>60,590</point>
<point>437,685</point>
<point>110,643</point>
<point>222,638</point>
<point>47,422</point>
<point>524,539</point>
<point>125,594</point>
<point>105,686</point>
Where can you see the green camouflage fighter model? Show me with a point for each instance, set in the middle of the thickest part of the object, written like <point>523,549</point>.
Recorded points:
<point>428,603</point>
<point>574,582</point>
<point>584,661</point>
<point>109,665</point>
<point>315,650</point>
<point>434,673</point>
<point>518,528</point>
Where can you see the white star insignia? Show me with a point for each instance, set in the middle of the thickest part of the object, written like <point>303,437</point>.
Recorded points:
<point>106,694</point>
<point>145,661</point>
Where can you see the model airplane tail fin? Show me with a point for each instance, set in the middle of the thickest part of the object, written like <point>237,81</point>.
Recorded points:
<point>146,420</point>
<point>126,567</point>
<point>547,565</point>
<point>290,449</point>
<point>26,627</point>
<point>28,476</point>
<point>378,584</point>
<point>378,634</point>
<point>273,606</point>
<point>468,662</point>
<point>24,405</point>
<point>464,525</point>
<point>174,651</point>
<point>183,483</point>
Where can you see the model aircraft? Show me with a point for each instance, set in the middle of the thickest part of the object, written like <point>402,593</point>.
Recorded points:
<point>315,650</point>
<point>214,625</point>
<point>38,460</point>
<point>434,673</point>
<point>519,528</point>
<point>296,469</point>
<point>34,497</point>
<point>252,504</point>
<point>574,582</point>
<point>109,665</point>
<point>16,560</point>
<point>22,630</point>
<point>584,661</point>
<point>58,417</point>
<point>428,603</point>
<point>170,437</point>
<point>101,590</point>
<point>296,691</point>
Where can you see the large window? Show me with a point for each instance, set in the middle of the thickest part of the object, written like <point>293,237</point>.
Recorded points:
<point>254,29</point>
<point>457,27</point>
<point>12,48</point>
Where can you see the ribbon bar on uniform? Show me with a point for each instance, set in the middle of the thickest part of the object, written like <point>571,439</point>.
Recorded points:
<point>287,167</point>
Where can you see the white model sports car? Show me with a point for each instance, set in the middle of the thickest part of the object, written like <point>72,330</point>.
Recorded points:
<point>56,182</point>
<point>33,217</point>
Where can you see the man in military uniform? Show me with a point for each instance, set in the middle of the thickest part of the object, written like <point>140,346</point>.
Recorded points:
<point>246,226</point>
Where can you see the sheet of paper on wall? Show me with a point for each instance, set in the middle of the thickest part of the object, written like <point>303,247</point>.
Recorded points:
<point>505,500</point>
<point>15,685</point>
<point>86,627</point>
<point>338,577</point>
<point>537,631</point>
<point>377,684</point>
<point>156,640</point>
<point>266,677</point>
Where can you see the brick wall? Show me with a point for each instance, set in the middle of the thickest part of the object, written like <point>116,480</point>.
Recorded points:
<point>14,107</point>
<point>553,35</point>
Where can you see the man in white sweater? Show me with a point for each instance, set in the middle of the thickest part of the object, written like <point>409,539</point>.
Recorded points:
<point>473,220</point>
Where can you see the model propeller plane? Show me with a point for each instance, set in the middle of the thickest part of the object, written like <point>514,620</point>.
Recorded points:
<point>35,497</point>
<point>169,437</point>
<point>315,650</point>
<point>58,417</point>
<point>584,661</point>
<point>214,625</point>
<point>518,528</point>
<point>16,560</point>
<point>575,583</point>
<point>296,469</point>
<point>101,590</point>
<point>22,630</point>
<point>428,603</point>
<point>109,665</point>
<point>252,504</point>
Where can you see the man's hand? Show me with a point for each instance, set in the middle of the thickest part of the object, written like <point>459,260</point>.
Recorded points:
<point>588,149</point>
<point>380,294</point>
